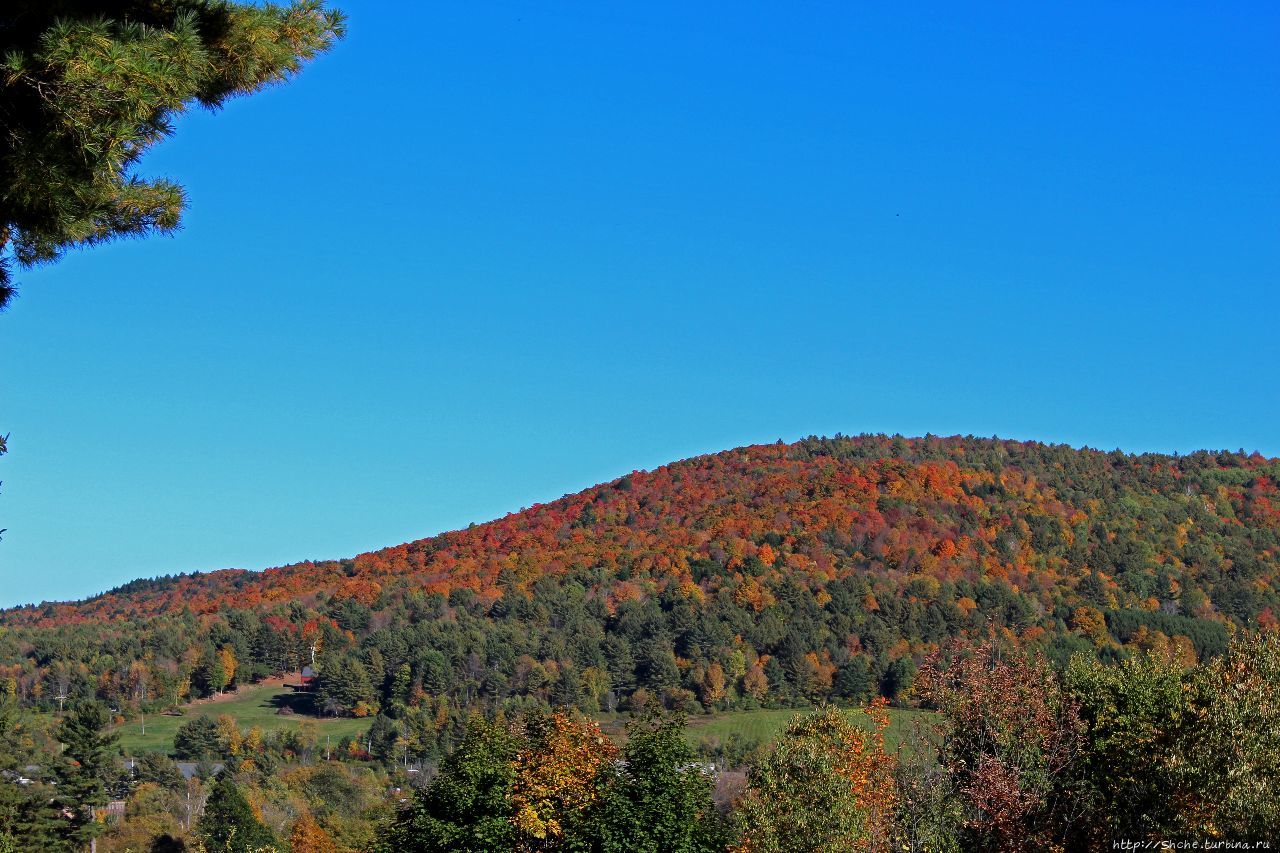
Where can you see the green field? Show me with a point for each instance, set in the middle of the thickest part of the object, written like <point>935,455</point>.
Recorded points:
<point>258,705</point>
<point>250,706</point>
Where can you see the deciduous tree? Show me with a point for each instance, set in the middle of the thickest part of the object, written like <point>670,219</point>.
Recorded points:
<point>557,779</point>
<point>309,837</point>
<point>658,800</point>
<point>828,786</point>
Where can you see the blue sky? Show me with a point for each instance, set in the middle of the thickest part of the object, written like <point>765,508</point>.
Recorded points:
<point>482,255</point>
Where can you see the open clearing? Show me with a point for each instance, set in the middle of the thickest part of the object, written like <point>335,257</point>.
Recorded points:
<point>256,705</point>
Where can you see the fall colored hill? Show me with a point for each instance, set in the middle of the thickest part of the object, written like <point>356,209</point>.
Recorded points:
<point>776,572</point>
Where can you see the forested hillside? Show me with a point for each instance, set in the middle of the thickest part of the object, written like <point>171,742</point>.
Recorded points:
<point>773,574</point>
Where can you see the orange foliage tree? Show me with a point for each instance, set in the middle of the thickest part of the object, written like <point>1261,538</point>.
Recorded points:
<point>309,836</point>
<point>556,778</point>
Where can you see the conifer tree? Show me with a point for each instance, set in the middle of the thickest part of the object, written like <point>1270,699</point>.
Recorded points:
<point>467,808</point>
<point>382,738</point>
<point>87,88</point>
<point>28,814</point>
<point>229,824</point>
<point>88,762</point>
<point>197,738</point>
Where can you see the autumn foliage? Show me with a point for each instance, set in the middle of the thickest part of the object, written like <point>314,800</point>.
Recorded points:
<point>309,836</point>
<point>803,561</point>
<point>556,778</point>
<point>1013,740</point>
<point>828,785</point>
<point>825,571</point>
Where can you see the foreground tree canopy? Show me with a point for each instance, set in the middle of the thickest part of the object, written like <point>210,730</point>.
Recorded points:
<point>554,782</point>
<point>1008,753</point>
<point>87,87</point>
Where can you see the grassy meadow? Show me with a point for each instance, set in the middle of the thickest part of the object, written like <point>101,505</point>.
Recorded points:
<point>256,705</point>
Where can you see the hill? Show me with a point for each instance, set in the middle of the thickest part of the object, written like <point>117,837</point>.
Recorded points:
<point>763,576</point>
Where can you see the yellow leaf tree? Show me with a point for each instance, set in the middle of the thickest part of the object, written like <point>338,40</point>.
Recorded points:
<point>555,778</point>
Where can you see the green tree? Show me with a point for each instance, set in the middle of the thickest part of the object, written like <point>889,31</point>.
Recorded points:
<point>1234,749</point>
<point>196,739</point>
<point>88,88</point>
<point>28,813</point>
<point>159,769</point>
<point>88,762</point>
<point>467,807</point>
<point>210,676</point>
<point>402,683</point>
<point>343,684</point>
<point>898,678</point>
<point>658,665</point>
<point>383,735</point>
<point>827,786</point>
<point>853,680</point>
<point>229,824</point>
<point>1132,763</point>
<point>661,802</point>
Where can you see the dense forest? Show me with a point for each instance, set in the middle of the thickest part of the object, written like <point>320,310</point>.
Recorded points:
<point>762,576</point>
<point>1086,628</point>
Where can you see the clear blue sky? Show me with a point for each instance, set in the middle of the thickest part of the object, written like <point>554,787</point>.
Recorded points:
<point>482,255</point>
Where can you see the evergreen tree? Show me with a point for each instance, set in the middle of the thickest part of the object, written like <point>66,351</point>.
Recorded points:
<point>382,738</point>
<point>402,683</point>
<point>853,681</point>
<point>467,807</point>
<point>197,739</point>
<point>344,684</point>
<point>87,88</point>
<point>28,813</point>
<point>658,665</point>
<point>898,678</point>
<point>159,769</point>
<point>30,819</point>
<point>88,763</point>
<point>229,824</point>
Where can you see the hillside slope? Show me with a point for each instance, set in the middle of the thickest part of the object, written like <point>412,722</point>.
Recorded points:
<point>764,574</point>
